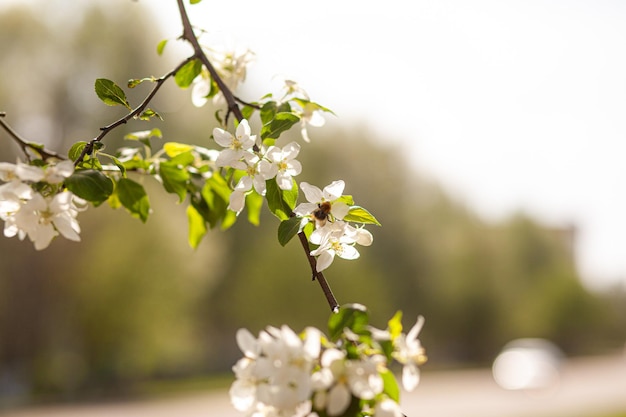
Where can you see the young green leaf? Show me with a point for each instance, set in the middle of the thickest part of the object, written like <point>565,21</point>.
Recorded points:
<point>133,196</point>
<point>254,203</point>
<point>390,385</point>
<point>275,201</point>
<point>358,214</point>
<point>185,76</point>
<point>174,179</point>
<point>287,229</point>
<point>76,150</point>
<point>173,149</point>
<point>110,93</point>
<point>352,316</point>
<point>197,226</point>
<point>91,185</point>
<point>161,46</point>
<point>395,325</point>
<point>279,124</point>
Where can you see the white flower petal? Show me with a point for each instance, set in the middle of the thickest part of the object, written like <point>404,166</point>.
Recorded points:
<point>311,192</point>
<point>324,260</point>
<point>410,376</point>
<point>237,201</point>
<point>338,400</point>
<point>247,343</point>
<point>334,190</point>
<point>222,137</point>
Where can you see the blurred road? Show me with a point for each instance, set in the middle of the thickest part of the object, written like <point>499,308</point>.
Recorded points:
<point>587,387</point>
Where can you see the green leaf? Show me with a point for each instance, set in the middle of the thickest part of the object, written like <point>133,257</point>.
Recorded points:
<point>197,226</point>
<point>185,76</point>
<point>148,114</point>
<point>290,197</point>
<point>76,150</point>
<point>133,196</point>
<point>275,202</point>
<point>91,185</point>
<point>352,316</point>
<point>173,149</point>
<point>144,134</point>
<point>279,124</point>
<point>174,179</point>
<point>161,46</point>
<point>110,93</point>
<point>132,83</point>
<point>254,203</point>
<point>268,111</point>
<point>194,1</point>
<point>390,385</point>
<point>287,229</point>
<point>346,199</point>
<point>358,214</point>
<point>395,325</point>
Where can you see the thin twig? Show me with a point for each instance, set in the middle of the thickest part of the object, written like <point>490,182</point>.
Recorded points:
<point>190,36</point>
<point>328,293</point>
<point>26,146</point>
<point>88,149</point>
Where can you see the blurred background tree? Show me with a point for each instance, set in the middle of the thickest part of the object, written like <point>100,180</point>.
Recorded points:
<point>133,302</point>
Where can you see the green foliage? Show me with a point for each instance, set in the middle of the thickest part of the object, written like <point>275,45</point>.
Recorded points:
<point>134,198</point>
<point>352,316</point>
<point>360,215</point>
<point>110,93</point>
<point>288,229</point>
<point>91,185</point>
<point>280,202</point>
<point>185,76</point>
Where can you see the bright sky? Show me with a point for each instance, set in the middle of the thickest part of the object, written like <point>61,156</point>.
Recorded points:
<point>511,104</point>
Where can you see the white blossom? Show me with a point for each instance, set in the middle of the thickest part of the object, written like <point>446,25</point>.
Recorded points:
<point>257,171</point>
<point>388,408</point>
<point>311,115</point>
<point>284,164</point>
<point>325,200</point>
<point>236,146</point>
<point>409,352</point>
<point>43,218</point>
<point>274,377</point>
<point>333,241</point>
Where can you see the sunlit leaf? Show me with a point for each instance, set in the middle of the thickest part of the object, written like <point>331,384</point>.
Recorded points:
<point>174,179</point>
<point>161,46</point>
<point>173,149</point>
<point>395,325</point>
<point>360,215</point>
<point>76,150</point>
<point>390,386</point>
<point>254,203</point>
<point>110,93</point>
<point>149,114</point>
<point>185,76</point>
<point>197,226</point>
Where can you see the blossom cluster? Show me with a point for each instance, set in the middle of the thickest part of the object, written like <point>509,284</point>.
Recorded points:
<point>33,203</point>
<point>286,374</point>
<point>257,162</point>
<point>332,235</point>
<point>325,208</point>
